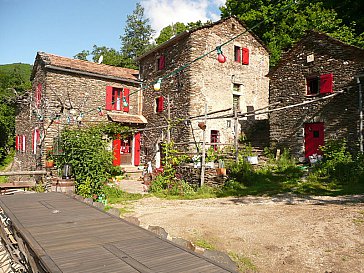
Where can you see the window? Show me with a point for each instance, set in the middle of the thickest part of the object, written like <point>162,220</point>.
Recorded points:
<point>236,88</point>
<point>38,95</point>
<point>320,84</point>
<point>215,138</point>
<point>20,143</point>
<point>236,102</point>
<point>241,55</point>
<point>161,62</point>
<point>159,102</point>
<point>117,99</point>
<point>237,54</point>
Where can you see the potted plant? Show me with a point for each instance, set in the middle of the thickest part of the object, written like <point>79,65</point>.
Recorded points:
<point>49,163</point>
<point>221,170</point>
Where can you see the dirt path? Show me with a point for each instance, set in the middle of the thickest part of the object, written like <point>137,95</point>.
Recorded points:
<point>280,234</point>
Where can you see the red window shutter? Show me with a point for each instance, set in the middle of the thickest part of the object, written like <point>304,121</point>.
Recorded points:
<point>126,97</point>
<point>326,83</point>
<point>160,105</point>
<point>16,143</point>
<point>137,149</point>
<point>108,97</point>
<point>162,62</point>
<point>245,52</point>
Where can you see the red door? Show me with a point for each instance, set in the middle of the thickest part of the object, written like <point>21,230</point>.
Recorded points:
<point>314,138</point>
<point>137,149</point>
<point>116,144</point>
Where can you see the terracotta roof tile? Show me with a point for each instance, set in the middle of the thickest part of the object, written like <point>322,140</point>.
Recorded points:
<point>86,66</point>
<point>127,118</point>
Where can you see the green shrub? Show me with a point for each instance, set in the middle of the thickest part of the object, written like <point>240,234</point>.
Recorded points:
<point>85,149</point>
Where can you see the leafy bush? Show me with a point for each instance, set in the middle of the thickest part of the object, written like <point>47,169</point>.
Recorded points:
<point>85,149</point>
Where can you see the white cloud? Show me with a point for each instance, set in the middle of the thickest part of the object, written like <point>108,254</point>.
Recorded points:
<point>165,12</point>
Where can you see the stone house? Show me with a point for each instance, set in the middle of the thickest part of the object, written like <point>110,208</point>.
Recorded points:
<point>69,92</point>
<point>188,83</point>
<point>321,75</point>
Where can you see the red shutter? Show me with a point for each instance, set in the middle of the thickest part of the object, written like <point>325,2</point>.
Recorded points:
<point>116,150</point>
<point>245,52</point>
<point>108,97</point>
<point>137,149</point>
<point>160,105</point>
<point>16,143</point>
<point>35,139</point>
<point>162,62</point>
<point>326,83</point>
<point>126,96</point>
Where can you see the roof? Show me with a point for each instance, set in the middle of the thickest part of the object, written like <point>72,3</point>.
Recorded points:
<point>313,35</point>
<point>188,32</point>
<point>127,118</point>
<point>74,65</point>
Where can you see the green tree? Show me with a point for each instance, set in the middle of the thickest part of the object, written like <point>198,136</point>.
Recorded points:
<point>82,55</point>
<point>137,37</point>
<point>110,55</point>
<point>169,31</point>
<point>280,24</point>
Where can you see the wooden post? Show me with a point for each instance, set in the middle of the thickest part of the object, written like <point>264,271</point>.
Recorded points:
<point>203,149</point>
<point>169,120</point>
<point>236,133</point>
<point>360,115</point>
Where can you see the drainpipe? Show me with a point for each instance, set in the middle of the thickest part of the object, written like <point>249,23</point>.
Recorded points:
<point>360,115</point>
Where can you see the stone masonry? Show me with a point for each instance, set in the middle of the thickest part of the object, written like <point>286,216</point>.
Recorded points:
<point>71,93</point>
<point>203,81</point>
<point>288,85</point>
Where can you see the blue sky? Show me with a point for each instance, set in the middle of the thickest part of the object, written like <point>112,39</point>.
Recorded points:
<point>66,27</point>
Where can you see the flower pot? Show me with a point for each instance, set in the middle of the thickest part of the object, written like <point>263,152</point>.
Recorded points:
<point>221,171</point>
<point>49,164</point>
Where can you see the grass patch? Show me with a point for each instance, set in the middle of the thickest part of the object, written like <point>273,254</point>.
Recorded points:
<point>6,162</point>
<point>244,263</point>
<point>115,195</point>
<point>204,244</point>
<point>199,193</point>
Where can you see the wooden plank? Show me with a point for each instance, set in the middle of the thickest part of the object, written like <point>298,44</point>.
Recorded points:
<point>68,235</point>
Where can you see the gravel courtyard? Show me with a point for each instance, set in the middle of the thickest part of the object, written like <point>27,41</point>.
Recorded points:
<point>272,234</point>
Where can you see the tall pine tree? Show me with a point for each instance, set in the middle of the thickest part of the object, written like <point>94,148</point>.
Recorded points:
<point>137,37</point>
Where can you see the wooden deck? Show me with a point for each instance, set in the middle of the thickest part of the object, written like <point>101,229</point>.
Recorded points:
<point>67,235</point>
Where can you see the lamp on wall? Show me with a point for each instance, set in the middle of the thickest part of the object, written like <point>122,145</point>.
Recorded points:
<point>220,57</point>
<point>157,85</point>
<point>67,171</point>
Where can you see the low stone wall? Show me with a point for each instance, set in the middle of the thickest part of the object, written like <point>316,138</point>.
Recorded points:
<point>193,175</point>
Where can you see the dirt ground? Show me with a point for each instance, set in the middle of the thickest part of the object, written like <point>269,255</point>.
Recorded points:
<point>272,234</point>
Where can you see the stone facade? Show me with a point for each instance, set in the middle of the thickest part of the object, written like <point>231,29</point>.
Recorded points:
<point>70,93</point>
<point>316,55</point>
<point>203,81</point>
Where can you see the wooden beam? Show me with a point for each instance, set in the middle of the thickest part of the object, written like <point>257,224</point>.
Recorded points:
<point>23,173</point>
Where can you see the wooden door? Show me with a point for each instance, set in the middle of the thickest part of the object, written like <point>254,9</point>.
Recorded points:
<point>314,138</point>
<point>125,151</point>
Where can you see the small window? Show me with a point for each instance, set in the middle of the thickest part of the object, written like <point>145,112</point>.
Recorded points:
<point>236,102</point>
<point>237,54</point>
<point>159,102</point>
<point>236,88</point>
<point>161,62</point>
<point>117,99</point>
<point>316,134</point>
<point>319,85</point>
<point>313,86</point>
<point>215,138</point>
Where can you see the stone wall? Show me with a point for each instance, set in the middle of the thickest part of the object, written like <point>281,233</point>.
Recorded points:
<point>61,92</point>
<point>205,80</point>
<point>288,84</point>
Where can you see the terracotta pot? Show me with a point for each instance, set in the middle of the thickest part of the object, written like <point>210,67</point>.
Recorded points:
<point>221,171</point>
<point>49,164</point>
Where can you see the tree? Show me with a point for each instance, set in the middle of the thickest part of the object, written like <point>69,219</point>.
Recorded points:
<point>281,24</point>
<point>137,37</point>
<point>82,55</point>
<point>169,31</point>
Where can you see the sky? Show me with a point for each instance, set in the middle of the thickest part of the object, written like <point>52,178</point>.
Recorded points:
<point>66,27</point>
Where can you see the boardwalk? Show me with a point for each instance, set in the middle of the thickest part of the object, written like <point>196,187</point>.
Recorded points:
<point>66,235</point>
